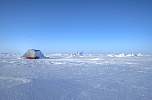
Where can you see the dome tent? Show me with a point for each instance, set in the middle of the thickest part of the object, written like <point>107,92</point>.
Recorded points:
<point>33,54</point>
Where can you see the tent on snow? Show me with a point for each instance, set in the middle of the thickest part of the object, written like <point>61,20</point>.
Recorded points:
<point>33,54</point>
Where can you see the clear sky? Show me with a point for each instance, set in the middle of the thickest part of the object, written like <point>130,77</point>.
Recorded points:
<point>62,25</point>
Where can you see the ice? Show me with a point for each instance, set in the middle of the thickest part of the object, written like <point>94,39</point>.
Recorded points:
<point>66,77</point>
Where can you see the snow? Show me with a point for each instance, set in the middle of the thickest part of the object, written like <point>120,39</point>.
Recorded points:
<point>65,77</point>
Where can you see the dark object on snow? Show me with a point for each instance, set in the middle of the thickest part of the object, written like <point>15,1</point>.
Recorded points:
<point>33,54</point>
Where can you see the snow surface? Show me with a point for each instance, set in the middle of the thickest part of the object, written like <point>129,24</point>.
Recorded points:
<point>67,77</point>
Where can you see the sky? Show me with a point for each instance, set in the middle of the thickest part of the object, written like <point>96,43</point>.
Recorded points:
<point>71,25</point>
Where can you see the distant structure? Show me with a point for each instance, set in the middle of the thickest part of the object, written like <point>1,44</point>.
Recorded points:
<point>78,54</point>
<point>33,54</point>
<point>125,55</point>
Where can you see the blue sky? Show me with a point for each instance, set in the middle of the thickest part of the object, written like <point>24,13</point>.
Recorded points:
<point>63,25</point>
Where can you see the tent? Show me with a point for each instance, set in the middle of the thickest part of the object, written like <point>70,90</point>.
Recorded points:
<point>33,54</point>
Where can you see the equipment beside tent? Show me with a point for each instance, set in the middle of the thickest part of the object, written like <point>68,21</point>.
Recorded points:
<point>33,54</point>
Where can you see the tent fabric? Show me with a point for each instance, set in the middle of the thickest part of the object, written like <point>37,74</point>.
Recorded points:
<point>33,54</point>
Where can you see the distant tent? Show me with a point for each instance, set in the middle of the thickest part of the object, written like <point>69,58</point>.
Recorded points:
<point>33,54</point>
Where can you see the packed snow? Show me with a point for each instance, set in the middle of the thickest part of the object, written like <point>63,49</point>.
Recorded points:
<point>76,76</point>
